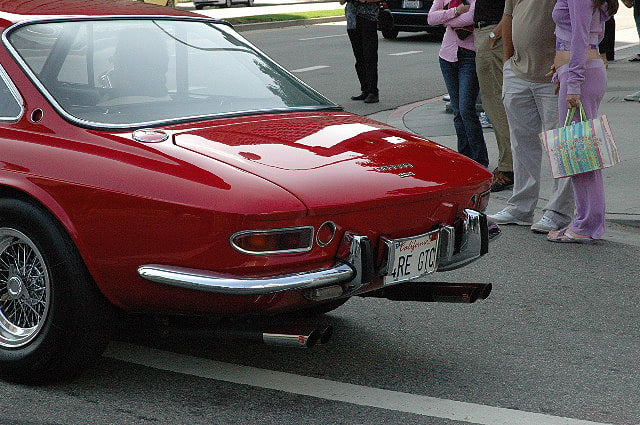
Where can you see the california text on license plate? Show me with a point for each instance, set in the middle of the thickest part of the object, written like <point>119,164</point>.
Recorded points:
<point>411,4</point>
<point>412,257</point>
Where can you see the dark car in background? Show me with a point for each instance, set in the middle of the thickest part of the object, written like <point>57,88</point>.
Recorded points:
<point>200,4</point>
<point>405,15</point>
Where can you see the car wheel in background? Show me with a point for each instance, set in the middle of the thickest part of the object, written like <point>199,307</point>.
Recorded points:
<point>199,6</point>
<point>390,34</point>
<point>249,3</point>
<point>52,316</point>
<point>227,3</point>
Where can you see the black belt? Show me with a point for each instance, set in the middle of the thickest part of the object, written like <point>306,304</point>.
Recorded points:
<point>482,24</point>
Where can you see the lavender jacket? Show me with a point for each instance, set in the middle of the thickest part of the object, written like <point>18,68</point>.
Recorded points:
<point>578,26</point>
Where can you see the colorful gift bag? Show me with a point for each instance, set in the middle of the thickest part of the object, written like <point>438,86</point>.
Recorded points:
<point>580,147</point>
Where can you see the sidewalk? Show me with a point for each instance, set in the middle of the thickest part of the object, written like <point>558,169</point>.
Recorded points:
<point>622,182</point>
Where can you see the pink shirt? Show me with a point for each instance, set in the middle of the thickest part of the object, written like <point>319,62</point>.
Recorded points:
<point>447,17</point>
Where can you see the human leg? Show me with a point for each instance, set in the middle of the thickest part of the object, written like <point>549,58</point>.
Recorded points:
<point>369,32</point>
<point>560,207</point>
<point>450,75</point>
<point>489,64</point>
<point>588,187</point>
<point>636,17</point>
<point>468,93</point>
<point>524,124</point>
<point>355,37</point>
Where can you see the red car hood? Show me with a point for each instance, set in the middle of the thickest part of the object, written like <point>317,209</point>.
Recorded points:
<point>334,159</point>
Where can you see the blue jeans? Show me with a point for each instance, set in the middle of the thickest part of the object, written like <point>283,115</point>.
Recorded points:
<point>462,84</point>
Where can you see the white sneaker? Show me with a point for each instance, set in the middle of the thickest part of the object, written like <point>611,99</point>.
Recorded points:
<point>634,97</point>
<point>505,217</point>
<point>446,97</point>
<point>485,122</point>
<point>546,225</point>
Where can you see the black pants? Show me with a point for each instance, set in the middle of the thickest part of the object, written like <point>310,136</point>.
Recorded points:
<point>607,44</point>
<point>364,42</point>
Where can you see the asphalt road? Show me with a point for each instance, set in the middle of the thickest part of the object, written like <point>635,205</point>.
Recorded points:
<point>556,343</point>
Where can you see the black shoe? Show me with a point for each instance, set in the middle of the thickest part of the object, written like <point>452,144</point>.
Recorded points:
<point>501,180</point>
<point>372,98</point>
<point>361,96</point>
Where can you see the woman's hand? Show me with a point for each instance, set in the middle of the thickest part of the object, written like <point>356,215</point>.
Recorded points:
<point>462,8</point>
<point>573,100</point>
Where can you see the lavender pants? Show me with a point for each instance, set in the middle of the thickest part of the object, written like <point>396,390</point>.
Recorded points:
<point>588,188</point>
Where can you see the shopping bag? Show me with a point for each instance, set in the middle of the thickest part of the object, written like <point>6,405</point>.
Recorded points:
<point>580,147</point>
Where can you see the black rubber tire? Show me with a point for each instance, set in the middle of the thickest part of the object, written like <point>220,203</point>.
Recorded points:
<point>227,3</point>
<point>250,3</point>
<point>199,7</point>
<point>390,34</point>
<point>73,330</point>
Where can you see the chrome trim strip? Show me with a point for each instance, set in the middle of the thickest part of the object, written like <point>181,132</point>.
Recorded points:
<point>204,280</point>
<point>288,251</point>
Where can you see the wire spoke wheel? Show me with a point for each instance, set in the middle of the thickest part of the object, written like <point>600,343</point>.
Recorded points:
<point>24,289</point>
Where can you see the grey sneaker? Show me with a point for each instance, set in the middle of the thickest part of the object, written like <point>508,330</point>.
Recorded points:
<point>505,217</point>
<point>546,225</point>
<point>633,97</point>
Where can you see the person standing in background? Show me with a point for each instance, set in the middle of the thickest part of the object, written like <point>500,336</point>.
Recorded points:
<point>580,72</point>
<point>531,104</point>
<point>362,28</point>
<point>458,64</point>
<point>635,4</point>
<point>607,45</point>
<point>487,35</point>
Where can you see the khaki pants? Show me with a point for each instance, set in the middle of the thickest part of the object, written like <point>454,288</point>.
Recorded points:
<point>489,69</point>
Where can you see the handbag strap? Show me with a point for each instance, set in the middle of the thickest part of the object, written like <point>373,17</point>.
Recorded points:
<point>572,112</point>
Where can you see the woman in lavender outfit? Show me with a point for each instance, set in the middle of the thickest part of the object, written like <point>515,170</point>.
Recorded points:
<point>582,77</point>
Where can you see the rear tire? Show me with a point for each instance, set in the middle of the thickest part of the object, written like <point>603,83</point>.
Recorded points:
<point>52,316</point>
<point>390,34</point>
<point>228,3</point>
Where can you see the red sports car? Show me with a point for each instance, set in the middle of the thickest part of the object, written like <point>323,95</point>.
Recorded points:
<point>154,161</point>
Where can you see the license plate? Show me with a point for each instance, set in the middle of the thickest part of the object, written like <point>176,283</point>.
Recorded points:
<point>410,258</point>
<point>411,4</point>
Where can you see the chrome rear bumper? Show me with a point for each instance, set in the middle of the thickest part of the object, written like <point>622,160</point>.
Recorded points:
<point>460,244</point>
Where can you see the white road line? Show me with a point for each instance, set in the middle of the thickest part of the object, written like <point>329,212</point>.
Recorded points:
<point>324,36</point>
<point>332,390</point>
<point>412,52</point>
<point>311,68</point>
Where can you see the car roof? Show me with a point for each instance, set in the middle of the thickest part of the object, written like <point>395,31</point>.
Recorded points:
<point>12,11</point>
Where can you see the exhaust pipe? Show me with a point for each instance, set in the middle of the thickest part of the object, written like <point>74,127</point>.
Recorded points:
<point>297,336</point>
<point>435,292</point>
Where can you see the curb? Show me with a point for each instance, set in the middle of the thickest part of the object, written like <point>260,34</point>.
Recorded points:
<point>281,24</point>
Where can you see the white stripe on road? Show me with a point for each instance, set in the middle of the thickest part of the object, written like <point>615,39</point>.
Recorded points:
<point>332,390</point>
<point>311,68</point>
<point>324,36</point>
<point>412,52</point>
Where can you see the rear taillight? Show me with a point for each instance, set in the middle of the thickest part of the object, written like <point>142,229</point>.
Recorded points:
<point>274,241</point>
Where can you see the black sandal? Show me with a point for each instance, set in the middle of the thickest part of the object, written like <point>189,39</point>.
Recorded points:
<point>636,58</point>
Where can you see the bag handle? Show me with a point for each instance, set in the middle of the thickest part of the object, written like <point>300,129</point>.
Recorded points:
<point>572,112</point>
